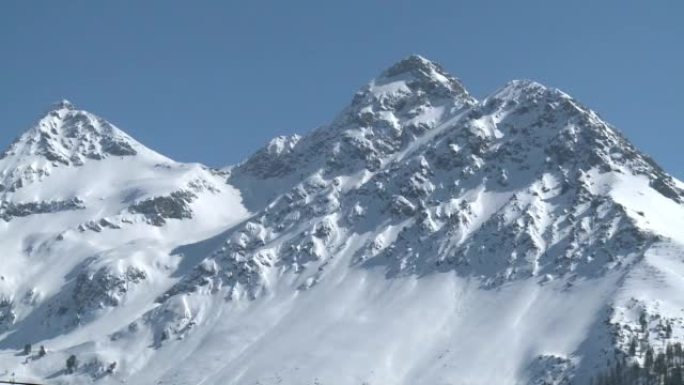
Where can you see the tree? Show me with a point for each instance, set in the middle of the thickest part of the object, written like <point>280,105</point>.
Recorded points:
<point>643,321</point>
<point>660,366</point>
<point>633,347</point>
<point>676,376</point>
<point>111,367</point>
<point>71,364</point>
<point>648,359</point>
<point>636,370</point>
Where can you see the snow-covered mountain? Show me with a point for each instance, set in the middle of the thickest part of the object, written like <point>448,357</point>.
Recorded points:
<point>422,237</point>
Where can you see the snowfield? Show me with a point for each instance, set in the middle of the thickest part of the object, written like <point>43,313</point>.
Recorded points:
<point>422,237</point>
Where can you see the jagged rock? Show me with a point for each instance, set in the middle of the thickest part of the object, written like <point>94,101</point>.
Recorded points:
<point>103,288</point>
<point>551,370</point>
<point>10,210</point>
<point>158,209</point>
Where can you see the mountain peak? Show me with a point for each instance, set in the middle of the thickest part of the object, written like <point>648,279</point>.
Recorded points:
<point>422,74</point>
<point>67,135</point>
<point>411,63</point>
<point>63,105</point>
<point>524,89</point>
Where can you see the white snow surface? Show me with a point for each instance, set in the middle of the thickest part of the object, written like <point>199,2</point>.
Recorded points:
<point>422,237</point>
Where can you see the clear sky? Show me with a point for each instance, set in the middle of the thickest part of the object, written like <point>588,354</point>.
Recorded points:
<point>211,81</point>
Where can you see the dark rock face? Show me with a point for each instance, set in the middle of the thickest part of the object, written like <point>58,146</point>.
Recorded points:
<point>102,288</point>
<point>91,290</point>
<point>10,210</point>
<point>427,76</point>
<point>158,209</point>
<point>117,147</point>
<point>98,226</point>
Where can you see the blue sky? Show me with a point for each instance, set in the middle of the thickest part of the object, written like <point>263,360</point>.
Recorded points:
<point>211,81</point>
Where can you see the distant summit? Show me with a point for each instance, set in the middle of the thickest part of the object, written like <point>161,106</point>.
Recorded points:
<point>63,105</point>
<point>428,76</point>
<point>64,136</point>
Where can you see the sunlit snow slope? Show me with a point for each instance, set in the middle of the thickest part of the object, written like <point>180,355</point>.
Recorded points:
<point>422,237</point>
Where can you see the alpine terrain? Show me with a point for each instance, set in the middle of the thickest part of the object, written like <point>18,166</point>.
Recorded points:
<point>422,237</point>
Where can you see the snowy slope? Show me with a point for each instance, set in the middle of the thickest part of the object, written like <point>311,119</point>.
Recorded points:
<point>422,237</point>
<point>89,218</point>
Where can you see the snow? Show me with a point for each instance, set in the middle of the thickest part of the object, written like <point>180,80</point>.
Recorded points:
<point>403,331</point>
<point>422,237</point>
<point>43,254</point>
<point>651,210</point>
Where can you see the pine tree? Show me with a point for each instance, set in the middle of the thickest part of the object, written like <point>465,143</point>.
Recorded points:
<point>643,321</point>
<point>636,372</point>
<point>111,367</point>
<point>617,373</point>
<point>649,359</point>
<point>633,347</point>
<point>676,377</point>
<point>660,367</point>
<point>71,364</point>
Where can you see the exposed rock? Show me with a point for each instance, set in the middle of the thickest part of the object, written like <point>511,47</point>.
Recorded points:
<point>158,209</point>
<point>10,210</point>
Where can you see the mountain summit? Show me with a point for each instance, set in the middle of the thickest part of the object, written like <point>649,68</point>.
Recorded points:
<point>69,136</point>
<point>421,73</point>
<point>63,105</point>
<point>421,237</point>
<point>384,117</point>
<point>64,136</point>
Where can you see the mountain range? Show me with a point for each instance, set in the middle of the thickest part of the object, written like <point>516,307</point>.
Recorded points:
<point>421,237</point>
